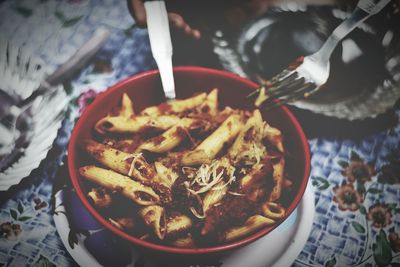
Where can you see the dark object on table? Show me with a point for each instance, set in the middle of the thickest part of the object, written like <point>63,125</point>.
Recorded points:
<point>364,80</point>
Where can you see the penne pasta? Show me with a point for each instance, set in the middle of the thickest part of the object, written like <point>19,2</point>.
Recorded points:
<point>253,125</point>
<point>124,223</point>
<point>274,136</point>
<point>273,210</point>
<point>215,195</point>
<point>210,105</point>
<point>169,139</point>
<point>175,106</point>
<point>133,165</point>
<point>252,178</point>
<point>252,224</point>
<point>154,217</point>
<point>214,143</point>
<point>127,145</point>
<point>100,197</point>
<point>247,147</point>
<point>277,175</point>
<point>262,96</point>
<point>126,106</point>
<point>197,173</point>
<point>253,183</point>
<point>115,182</point>
<point>184,242</point>
<point>108,156</point>
<point>178,224</point>
<point>196,157</point>
<point>166,175</point>
<point>135,124</point>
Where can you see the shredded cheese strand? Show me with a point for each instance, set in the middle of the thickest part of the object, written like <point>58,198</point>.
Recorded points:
<point>236,194</point>
<point>207,177</point>
<point>134,157</point>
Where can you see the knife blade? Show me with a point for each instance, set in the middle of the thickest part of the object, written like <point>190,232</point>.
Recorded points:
<point>160,43</point>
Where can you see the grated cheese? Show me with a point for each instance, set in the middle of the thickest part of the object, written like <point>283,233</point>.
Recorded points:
<point>207,176</point>
<point>135,157</point>
<point>253,154</point>
<point>236,194</point>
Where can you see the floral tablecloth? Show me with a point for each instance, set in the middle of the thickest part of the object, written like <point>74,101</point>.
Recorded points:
<point>356,180</point>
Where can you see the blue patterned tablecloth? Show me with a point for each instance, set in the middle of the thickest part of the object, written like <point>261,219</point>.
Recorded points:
<point>357,180</point>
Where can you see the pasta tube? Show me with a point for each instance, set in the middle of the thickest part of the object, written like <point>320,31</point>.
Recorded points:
<point>251,179</point>
<point>178,224</point>
<point>154,217</point>
<point>253,183</point>
<point>184,242</point>
<point>135,124</point>
<point>108,156</point>
<point>252,224</point>
<point>274,136</point>
<point>175,106</point>
<point>195,157</point>
<point>277,175</point>
<point>214,195</point>
<point>169,139</point>
<point>123,223</point>
<point>137,192</point>
<point>126,106</point>
<point>214,143</point>
<point>249,133</point>
<point>273,210</point>
<point>100,197</point>
<point>210,105</point>
<point>133,165</point>
<point>166,175</point>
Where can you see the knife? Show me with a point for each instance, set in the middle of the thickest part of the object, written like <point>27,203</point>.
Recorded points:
<point>160,43</point>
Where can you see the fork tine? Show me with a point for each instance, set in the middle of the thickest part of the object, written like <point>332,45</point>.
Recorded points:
<point>255,92</point>
<point>285,75</point>
<point>282,75</point>
<point>283,83</point>
<point>301,93</point>
<point>286,89</point>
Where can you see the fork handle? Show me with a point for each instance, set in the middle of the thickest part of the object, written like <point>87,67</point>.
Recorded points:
<point>364,9</point>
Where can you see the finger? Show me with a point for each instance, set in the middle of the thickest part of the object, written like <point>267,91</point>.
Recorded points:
<point>187,29</point>
<point>136,8</point>
<point>192,32</point>
<point>176,20</point>
<point>196,34</point>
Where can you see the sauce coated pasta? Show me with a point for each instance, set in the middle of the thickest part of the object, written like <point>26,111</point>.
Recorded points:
<point>185,173</point>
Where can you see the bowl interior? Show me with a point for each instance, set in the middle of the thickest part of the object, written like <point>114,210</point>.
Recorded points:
<point>146,90</point>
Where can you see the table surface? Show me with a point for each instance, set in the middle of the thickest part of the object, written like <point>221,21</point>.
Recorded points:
<point>360,231</point>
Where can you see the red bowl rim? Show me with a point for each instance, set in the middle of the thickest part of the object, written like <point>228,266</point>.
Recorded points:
<point>206,250</point>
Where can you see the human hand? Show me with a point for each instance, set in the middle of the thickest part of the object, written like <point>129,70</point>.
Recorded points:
<point>137,10</point>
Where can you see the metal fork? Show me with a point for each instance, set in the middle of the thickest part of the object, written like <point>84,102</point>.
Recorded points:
<point>309,73</point>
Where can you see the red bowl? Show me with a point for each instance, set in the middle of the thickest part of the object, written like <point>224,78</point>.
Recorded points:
<point>145,89</point>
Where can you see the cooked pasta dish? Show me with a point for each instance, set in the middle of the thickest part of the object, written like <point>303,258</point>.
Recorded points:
<point>186,173</point>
